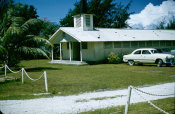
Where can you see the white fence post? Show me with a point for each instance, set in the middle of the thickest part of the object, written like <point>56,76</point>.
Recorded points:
<point>45,78</point>
<point>22,75</point>
<point>5,70</point>
<point>128,100</point>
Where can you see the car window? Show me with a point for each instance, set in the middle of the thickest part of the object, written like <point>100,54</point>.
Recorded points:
<point>154,51</point>
<point>138,52</point>
<point>159,50</point>
<point>146,52</point>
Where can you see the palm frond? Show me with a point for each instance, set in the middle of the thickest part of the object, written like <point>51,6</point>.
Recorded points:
<point>35,52</point>
<point>12,34</point>
<point>2,50</point>
<point>35,41</point>
<point>18,21</point>
<point>29,24</point>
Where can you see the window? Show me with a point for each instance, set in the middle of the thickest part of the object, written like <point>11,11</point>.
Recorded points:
<point>162,43</point>
<point>126,44</point>
<point>84,45</point>
<point>138,52</point>
<point>155,43</point>
<point>78,21</point>
<point>108,45</point>
<point>142,44</point>
<point>154,51</point>
<point>149,43</point>
<point>134,44</point>
<point>145,52</point>
<point>168,43</point>
<point>173,43</point>
<point>117,44</point>
<point>87,20</point>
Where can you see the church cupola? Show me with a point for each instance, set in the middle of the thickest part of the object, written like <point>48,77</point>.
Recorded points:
<point>84,21</point>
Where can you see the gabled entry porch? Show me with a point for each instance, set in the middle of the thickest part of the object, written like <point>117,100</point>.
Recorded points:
<point>69,53</point>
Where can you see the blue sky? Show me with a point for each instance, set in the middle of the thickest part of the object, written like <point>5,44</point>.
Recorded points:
<point>55,10</point>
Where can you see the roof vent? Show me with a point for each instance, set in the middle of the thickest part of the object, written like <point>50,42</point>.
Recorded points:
<point>98,37</point>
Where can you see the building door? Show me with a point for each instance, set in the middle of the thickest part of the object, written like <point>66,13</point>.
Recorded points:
<point>76,51</point>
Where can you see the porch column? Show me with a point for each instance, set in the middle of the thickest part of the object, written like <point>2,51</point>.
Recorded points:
<point>52,53</point>
<point>81,52</point>
<point>70,55</point>
<point>60,52</point>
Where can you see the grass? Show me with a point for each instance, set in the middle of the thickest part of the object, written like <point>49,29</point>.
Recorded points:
<point>139,108</point>
<point>68,79</point>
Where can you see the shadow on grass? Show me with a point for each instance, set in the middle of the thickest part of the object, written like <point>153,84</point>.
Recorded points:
<point>153,65</point>
<point>41,69</point>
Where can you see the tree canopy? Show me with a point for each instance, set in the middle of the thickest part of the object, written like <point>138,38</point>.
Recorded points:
<point>20,33</point>
<point>170,24</point>
<point>107,13</point>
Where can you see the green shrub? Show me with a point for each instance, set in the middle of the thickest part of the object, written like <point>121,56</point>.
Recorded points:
<point>113,58</point>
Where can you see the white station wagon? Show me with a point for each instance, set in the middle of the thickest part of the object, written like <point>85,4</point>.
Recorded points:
<point>148,55</point>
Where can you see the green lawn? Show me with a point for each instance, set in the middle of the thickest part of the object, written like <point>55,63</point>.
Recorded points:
<point>68,79</point>
<point>139,108</point>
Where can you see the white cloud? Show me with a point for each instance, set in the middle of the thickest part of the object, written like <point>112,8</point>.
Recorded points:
<point>152,15</point>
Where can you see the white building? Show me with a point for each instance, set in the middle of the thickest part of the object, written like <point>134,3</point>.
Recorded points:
<point>83,42</point>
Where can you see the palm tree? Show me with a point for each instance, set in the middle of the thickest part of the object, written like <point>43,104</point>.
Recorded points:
<point>20,41</point>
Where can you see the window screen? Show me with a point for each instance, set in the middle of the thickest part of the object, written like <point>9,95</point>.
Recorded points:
<point>168,43</point>
<point>117,44</point>
<point>134,44</point>
<point>162,43</point>
<point>108,45</point>
<point>155,43</point>
<point>142,44</point>
<point>84,45</point>
<point>126,44</point>
<point>87,20</point>
<point>173,43</point>
<point>149,43</point>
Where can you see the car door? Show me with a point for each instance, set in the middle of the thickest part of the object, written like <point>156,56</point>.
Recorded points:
<point>137,56</point>
<point>147,57</point>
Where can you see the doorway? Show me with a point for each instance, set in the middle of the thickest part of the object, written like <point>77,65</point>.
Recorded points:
<point>76,51</point>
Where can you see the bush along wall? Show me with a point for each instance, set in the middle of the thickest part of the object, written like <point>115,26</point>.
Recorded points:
<point>115,58</point>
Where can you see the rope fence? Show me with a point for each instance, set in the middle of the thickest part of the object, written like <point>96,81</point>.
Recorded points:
<point>136,90</point>
<point>24,71</point>
<point>161,110</point>
<point>32,78</point>
<point>149,93</point>
<point>12,70</point>
<point>1,67</point>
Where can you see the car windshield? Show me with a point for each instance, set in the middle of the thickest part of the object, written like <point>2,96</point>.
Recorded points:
<point>155,51</point>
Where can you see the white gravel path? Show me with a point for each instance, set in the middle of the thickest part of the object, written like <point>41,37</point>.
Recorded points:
<point>82,102</point>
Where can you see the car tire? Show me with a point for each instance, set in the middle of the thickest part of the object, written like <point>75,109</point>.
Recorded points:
<point>131,62</point>
<point>168,65</point>
<point>159,63</point>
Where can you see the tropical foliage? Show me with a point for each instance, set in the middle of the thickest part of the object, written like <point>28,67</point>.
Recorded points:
<point>170,25</point>
<point>107,13</point>
<point>19,43</point>
<point>20,34</point>
<point>48,28</point>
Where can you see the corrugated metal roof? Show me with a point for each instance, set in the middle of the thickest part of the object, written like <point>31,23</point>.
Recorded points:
<point>106,34</point>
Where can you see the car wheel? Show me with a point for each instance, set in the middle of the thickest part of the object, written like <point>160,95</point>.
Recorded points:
<point>159,63</point>
<point>131,62</point>
<point>168,65</point>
